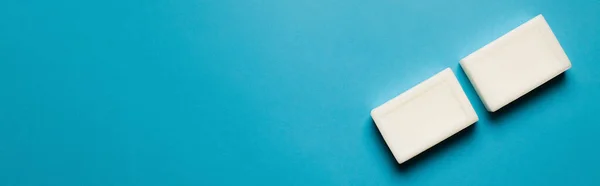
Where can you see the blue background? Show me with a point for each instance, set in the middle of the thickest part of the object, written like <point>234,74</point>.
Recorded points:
<point>273,92</point>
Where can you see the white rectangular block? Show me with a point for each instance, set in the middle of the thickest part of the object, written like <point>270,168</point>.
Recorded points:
<point>515,63</point>
<point>423,116</point>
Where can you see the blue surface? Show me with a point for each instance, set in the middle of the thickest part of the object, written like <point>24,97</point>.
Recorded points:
<point>272,92</point>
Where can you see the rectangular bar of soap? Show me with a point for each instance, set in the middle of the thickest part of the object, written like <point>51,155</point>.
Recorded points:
<point>423,116</point>
<point>516,63</point>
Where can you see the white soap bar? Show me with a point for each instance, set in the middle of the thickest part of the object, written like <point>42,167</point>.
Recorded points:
<point>515,63</point>
<point>423,116</point>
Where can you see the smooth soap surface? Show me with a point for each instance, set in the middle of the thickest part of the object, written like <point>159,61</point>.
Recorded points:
<point>515,63</point>
<point>424,115</point>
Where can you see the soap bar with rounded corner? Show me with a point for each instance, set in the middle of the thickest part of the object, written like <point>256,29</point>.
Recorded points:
<point>516,63</point>
<point>423,116</point>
